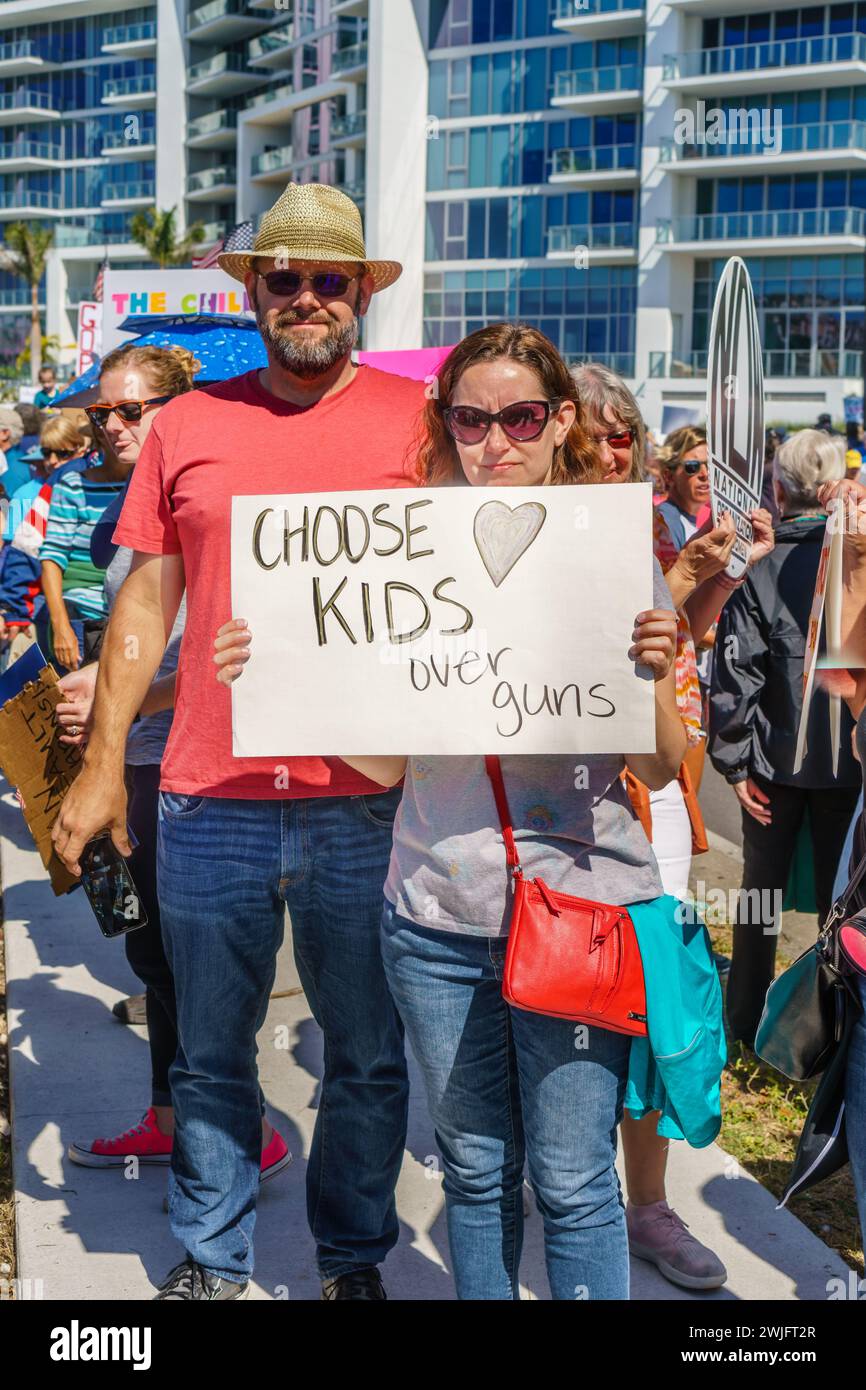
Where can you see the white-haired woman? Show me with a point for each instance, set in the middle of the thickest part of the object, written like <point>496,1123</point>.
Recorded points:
<point>755,707</point>
<point>670,815</point>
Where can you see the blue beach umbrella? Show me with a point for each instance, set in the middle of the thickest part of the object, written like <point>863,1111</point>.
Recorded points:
<point>225,344</point>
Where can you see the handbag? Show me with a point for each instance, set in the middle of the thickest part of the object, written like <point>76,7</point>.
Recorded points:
<point>568,957</point>
<point>806,1011</point>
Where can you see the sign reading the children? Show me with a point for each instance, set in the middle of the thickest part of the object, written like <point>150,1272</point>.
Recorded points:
<point>450,620</point>
<point>735,408</point>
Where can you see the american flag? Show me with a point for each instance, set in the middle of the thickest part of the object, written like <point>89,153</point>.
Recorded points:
<point>99,282</point>
<point>241,239</point>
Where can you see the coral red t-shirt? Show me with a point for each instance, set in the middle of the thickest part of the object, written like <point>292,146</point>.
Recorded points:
<point>236,439</point>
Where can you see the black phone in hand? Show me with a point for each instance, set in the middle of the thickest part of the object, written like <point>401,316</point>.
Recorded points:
<point>110,890</point>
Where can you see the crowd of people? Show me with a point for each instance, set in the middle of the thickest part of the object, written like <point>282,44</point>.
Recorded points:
<point>130,551</point>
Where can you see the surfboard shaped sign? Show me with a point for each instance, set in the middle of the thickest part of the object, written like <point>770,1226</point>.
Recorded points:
<point>735,408</point>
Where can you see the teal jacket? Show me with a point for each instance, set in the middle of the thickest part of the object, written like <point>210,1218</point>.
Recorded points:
<point>677,1068</point>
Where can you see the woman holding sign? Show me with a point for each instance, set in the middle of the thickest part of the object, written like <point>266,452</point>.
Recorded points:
<point>510,1087</point>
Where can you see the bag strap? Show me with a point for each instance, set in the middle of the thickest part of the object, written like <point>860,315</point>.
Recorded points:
<point>840,907</point>
<point>494,772</point>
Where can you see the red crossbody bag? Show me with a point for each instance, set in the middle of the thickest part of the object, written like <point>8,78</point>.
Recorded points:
<point>568,957</point>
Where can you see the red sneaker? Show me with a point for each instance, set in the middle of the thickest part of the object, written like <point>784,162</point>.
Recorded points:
<point>275,1157</point>
<point>145,1141</point>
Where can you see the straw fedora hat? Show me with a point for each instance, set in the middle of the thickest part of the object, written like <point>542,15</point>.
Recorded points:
<point>312,222</point>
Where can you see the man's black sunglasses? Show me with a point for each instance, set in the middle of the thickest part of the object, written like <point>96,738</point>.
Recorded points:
<point>130,411</point>
<point>327,284</point>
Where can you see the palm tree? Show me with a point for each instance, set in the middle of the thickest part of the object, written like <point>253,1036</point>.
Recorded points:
<point>157,232</point>
<point>24,253</point>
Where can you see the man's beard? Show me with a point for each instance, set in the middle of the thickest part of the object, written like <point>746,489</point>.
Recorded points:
<point>302,354</point>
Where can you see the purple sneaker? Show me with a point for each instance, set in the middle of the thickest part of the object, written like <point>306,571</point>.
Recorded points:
<point>657,1234</point>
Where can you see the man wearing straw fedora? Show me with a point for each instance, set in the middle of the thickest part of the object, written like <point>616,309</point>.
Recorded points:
<point>242,838</point>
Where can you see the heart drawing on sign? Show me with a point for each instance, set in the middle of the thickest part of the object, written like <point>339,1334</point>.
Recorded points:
<point>503,534</point>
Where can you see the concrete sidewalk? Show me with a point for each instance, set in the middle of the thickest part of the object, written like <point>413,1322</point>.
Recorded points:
<point>77,1073</point>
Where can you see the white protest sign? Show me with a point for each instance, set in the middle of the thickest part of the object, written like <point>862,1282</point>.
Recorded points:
<point>176,291</point>
<point>735,409</point>
<point>445,620</point>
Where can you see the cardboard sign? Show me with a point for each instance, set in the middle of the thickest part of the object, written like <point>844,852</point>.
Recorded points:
<point>34,761</point>
<point>89,346</point>
<point>443,620</point>
<point>184,291</point>
<point>735,409</point>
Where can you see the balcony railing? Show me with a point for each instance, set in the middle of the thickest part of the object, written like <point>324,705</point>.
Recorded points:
<point>29,48</point>
<point>788,362</point>
<point>116,140</point>
<point>818,137</point>
<point>126,192</point>
<point>14,297</point>
<point>760,57</point>
<point>30,198</point>
<point>272,160</point>
<point>217,9</point>
<point>213,231</point>
<point>746,226</point>
<point>594,160</point>
<point>347,58</point>
<point>130,86</point>
<point>221,175</point>
<point>574,9</point>
<point>211,123</point>
<point>273,94</point>
<point>620,362</point>
<point>587,82</point>
<point>129,33</point>
<point>356,191</point>
<point>17,101</point>
<point>28,149</point>
<point>91,231</point>
<point>597,236</point>
<point>344,127</point>
<point>219,63</point>
<point>271,42</point>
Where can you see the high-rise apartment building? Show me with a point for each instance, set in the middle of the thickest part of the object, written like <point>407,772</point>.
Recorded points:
<point>585,165</point>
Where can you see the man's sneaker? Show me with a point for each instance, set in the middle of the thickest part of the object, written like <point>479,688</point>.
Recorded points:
<point>144,1141</point>
<point>657,1234</point>
<point>192,1281</point>
<point>275,1157</point>
<point>132,1010</point>
<point>359,1284</point>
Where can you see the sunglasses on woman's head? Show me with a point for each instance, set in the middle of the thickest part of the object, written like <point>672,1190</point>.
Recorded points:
<point>692,466</point>
<point>327,284</point>
<point>129,411</point>
<point>522,422</point>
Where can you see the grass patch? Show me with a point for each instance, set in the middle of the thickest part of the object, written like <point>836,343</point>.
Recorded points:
<point>762,1116</point>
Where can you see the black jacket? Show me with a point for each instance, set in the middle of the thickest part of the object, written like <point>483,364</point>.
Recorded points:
<point>757,687</point>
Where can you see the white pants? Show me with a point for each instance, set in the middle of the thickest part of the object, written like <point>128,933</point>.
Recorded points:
<point>672,838</point>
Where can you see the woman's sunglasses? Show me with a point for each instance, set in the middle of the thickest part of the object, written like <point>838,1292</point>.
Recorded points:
<point>692,466</point>
<point>129,411</point>
<point>522,422</point>
<point>327,284</point>
<point>622,439</point>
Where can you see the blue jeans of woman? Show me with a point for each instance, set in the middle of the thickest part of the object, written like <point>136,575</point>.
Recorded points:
<point>508,1089</point>
<point>855,1109</point>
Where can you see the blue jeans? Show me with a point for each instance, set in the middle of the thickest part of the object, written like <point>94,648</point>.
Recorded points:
<point>503,1087</point>
<point>227,869</point>
<point>855,1109</point>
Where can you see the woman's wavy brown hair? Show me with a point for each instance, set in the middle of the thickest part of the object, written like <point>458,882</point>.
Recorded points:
<point>437,460</point>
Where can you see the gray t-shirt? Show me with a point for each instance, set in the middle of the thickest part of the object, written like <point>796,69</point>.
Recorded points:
<point>573,824</point>
<point>147,738</point>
